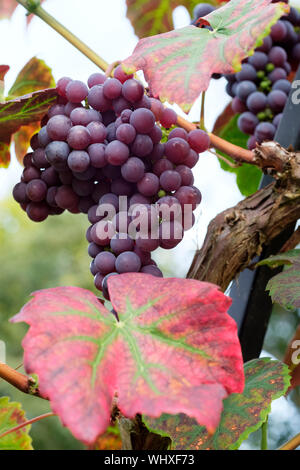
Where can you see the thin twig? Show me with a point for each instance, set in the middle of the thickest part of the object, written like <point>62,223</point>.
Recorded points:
<point>63,31</point>
<point>292,444</point>
<point>111,67</point>
<point>228,162</point>
<point>27,423</point>
<point>292,242</point>
<point>20,381</point>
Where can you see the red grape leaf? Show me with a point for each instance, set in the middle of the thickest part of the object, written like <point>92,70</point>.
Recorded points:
<point>175,349</point>
<point>34,76</point>
<point>292,358</point>
<point>11,415</point>
<point>178,65</point>
<point>243,413</point>
<point>22,111</point>
<point>110,440</point>
<point>285,287</point>
<point>150,17</point>
<point>7,8</point>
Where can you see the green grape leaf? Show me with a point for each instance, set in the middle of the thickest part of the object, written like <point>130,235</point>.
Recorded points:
<point>3,71</point>
<point>11,415</point>
<point>173,348</point>
<point>178,65</point>
<point>243,413</point>
<point>284,288</point>
<point>248,177</point>
<point>150,17</point>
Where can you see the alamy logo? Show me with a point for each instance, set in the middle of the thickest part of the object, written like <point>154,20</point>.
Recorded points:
<point>296,93</point>
<point>296,353</point>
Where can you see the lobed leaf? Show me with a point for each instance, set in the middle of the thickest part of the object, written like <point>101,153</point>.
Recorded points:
<point>247,176</point>
<point>243,413</point>
<point>178,65</point>
<point>11,415</point>
<point>23,119</point>
<point>174,349</point>
<point>285,287</point>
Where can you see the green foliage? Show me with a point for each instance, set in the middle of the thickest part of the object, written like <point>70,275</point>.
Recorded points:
<point>12,415</point>
<point>285,287</point>
<point>243,413</point>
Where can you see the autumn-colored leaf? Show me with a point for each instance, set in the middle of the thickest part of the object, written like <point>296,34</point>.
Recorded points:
<point>150,17</point>
<point>174,349</point>
<point>7,8</point>
<point>284,288</point>
<point>4,154</point>
<point>22,139</point>
<point>178,65</point>
<point>292,358</point>
<point>243,413</point>
<point>248,177</point>
<point>110,440</point>
<point>22,111</point>
<point>34,76</point>
<point>3,71</point>
<point>11,415</point>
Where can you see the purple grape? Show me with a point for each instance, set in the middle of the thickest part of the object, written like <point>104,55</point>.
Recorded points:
<point>266,45</point>
<point>116,153</point>
<point>277,56</point>
<point>110,199</point>
<point>121,242</point>
<point>97,155</point>
<point>132,90</point>
<point>19,193</point>
<point>155,134</point>
<point>148,185</point>
<point>105,262</point>
<point>97,100</point>
<point>127,262</point>
<point>111,132</point>
<point>66,198</point>
<point>120,105</point>
<point>276,100</point>
<point>54,110</point>
<point>66,177</point>
<point>78,161</point>
<point>82,116</point>
<point>57,153</point>
<point>247,73</point>
<point>121,75</point>
<point>43,137</point>
<point>198,141</point>
<point>265,131</point>
<point>258,60</point>
<point>188,195</point>
<point>94,250</point>
<point>238,106</point>
<point>177,149</point>
<point>296,52</point>
<point>142,145</point>
<point>147,244</point>
<point>79,137</point>
<point>277,119</point>
<point>36,190</point>
<point>153,270</point>
<point>170,180</point>
<point>202,9</point>
<point>162,165</point>
<point>39,158</point>
<point>277,74</point>
<point>30,173</point>
<point>142,120</point>
<point>112,88</point>
<point>69,107</point>
<point>120,187</point>
<point>96,79</point>
<point>97,132</point>
<point>50,197</point>
<point>247,122</point>
<point>62,84</point>
<point>76,91</point>
<point>244,89</point>
<point>178,132</point>
<point>282,85</point>
<point>187,178</point>
<point>192,159</point>
<point>37,211</point>
<point>105,286</point>
<point>133,170</point>
<point>279,31</point>
<point>257,102</point>
<point>168,118</point>
<point>82,188</point>
<point>126,133</point>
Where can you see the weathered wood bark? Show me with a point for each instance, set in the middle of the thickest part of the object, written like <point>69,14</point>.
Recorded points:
<point>236,235</point>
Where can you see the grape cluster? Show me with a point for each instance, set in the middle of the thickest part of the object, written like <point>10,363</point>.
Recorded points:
<point>101,151</point>
<point>260,90</point>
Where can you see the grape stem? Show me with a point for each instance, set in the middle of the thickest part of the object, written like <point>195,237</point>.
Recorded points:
<point>63,31</point>
<point>202,114</point>
<point>20,381</point>
<point>292,444</point>
<point>238,154</point>
<point>27,423</point>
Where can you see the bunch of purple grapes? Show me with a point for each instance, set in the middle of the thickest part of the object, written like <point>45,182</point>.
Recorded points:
<point>103,141</point>
<point>260,90</point>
